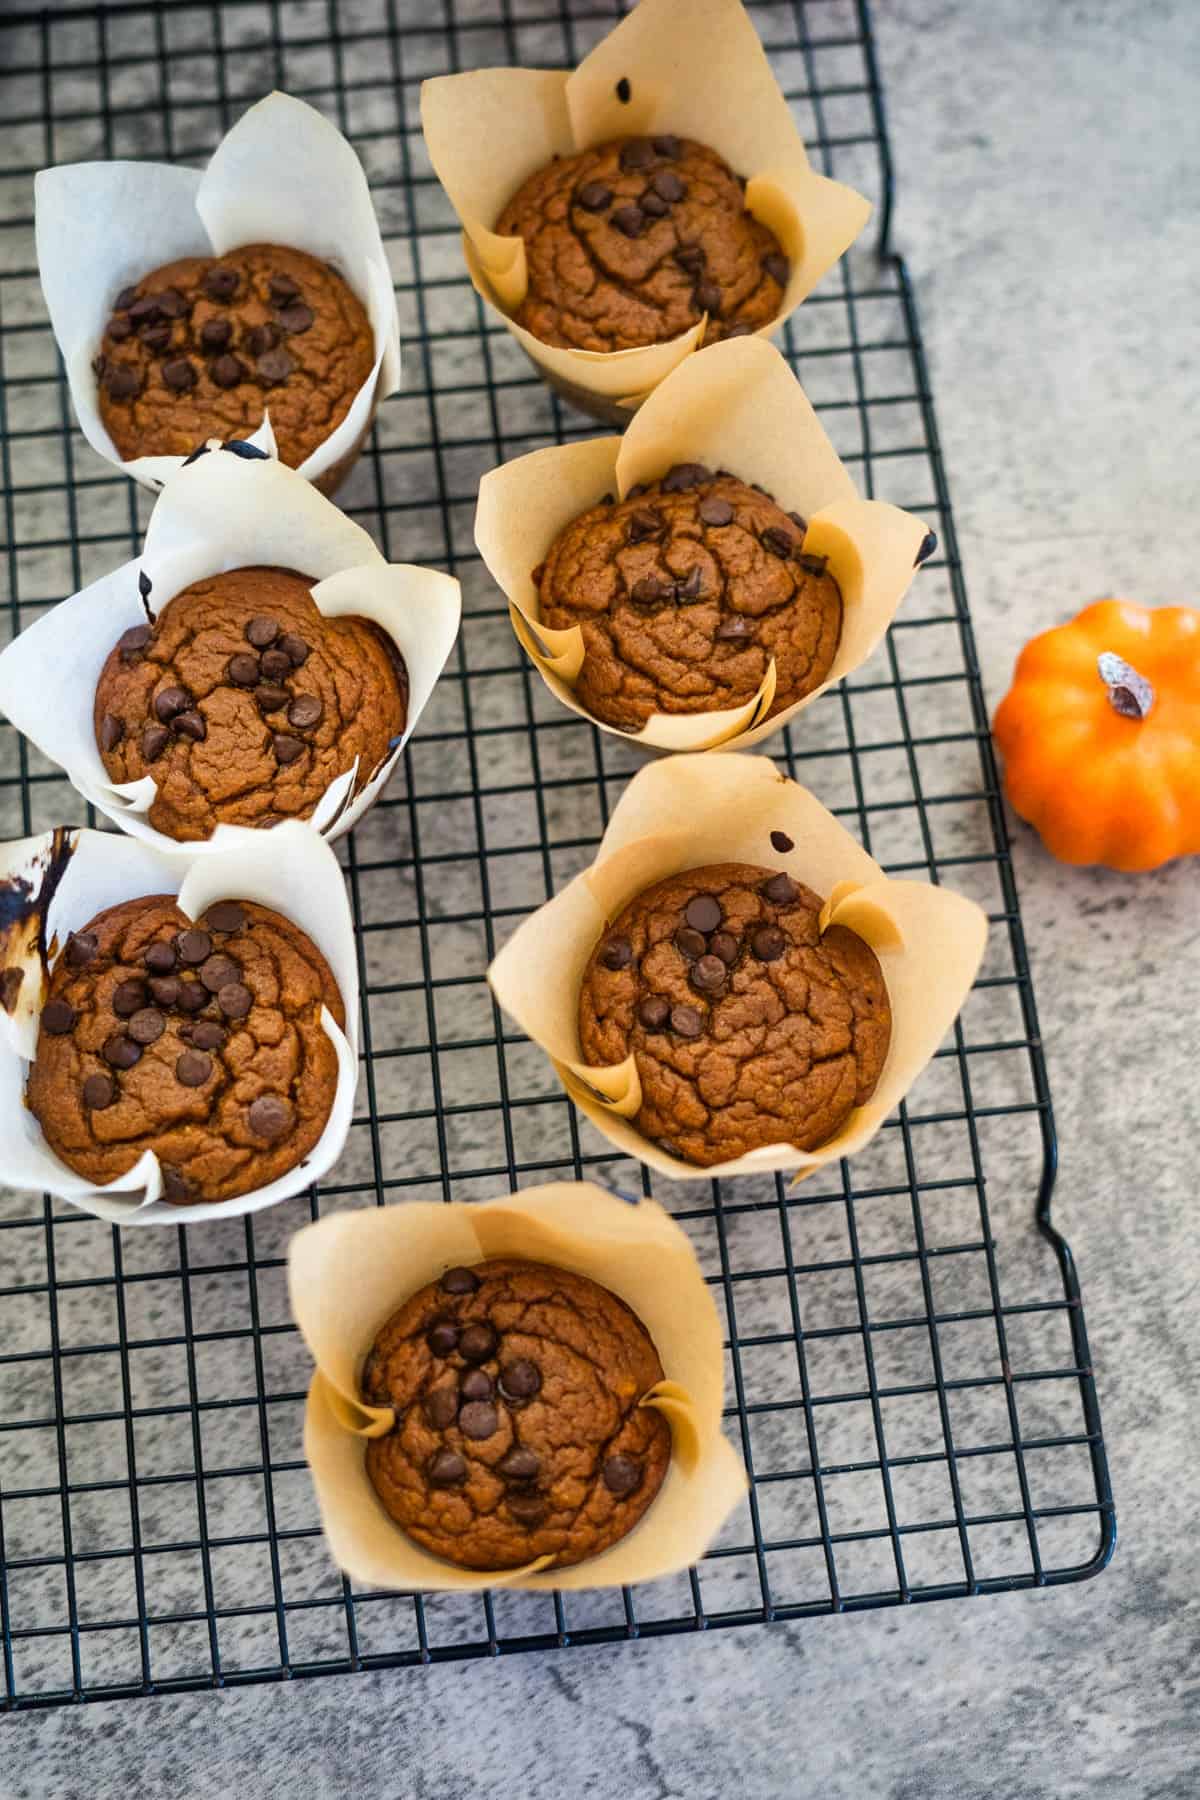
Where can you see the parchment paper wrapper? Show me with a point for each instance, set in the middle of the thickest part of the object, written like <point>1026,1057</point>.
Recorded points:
<point>350,1272</point>
<point>282,175</point>
<point>680,814</point>
<point>54,884</point>
<point>693,67</point>
<point>223,512</point>
<point>737,407</point>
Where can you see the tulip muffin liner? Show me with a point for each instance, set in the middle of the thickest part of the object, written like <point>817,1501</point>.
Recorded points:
<point>282,175</point>
<point>679,814</point>
<point>692,67</point>
<point>350,1272</point>
<point>54,884</point>
<point>737,407</point>
<point>223,511</point>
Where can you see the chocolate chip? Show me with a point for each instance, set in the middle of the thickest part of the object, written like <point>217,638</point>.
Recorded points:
<point>782,842</point>
<point>703,912</point>
<point>206,1034</point>
<point>132,642</point>
<point>128,997</point>
<point>715,511</point>
<point>157,337</point>
<point>172,304</point>
<point>215,334</point>
<point>630,221</point>
<point>621,1475</point>
<point>112,730</point>
<point>261,339</point>
<point>446,1469</point>
<point>192,997</point>
<point>226,915</point>
<point>478,1419</point>
<point>476,1384</point>
<point>159,957</point>
<point>217,972</point>
<point>305,711</point>
<point>274,367</point>
<point>724,945</point>
<point>164,989</point>
<point>221,284</point>
<point>778,267</point>
<point>155,739</point>
<point>781,890</point>
<point>176,1187</point>
<point>690,588</point>
<point>442,1337</point>
<point>125,299</point>
<point>478,1342</point>
<point>527,1509</point>
<point>928,546</point>
<point>295,649</point>
<point>644,524</point>
<point>668,186</point>
<point>235,1001</point>
<point>623,90</point>
<point>768,943</point>
<point>226,371</point>
<point>243,669</point>
<point>690,943</point>
<point>459,1281</point>
<point>653,205</point>
<point>58,1017</point>
<point>708,974</point>
<point>144,310</point>
<point>593,196</point>
<point>519,1465</point>
<point>286,749</point>
<point>635,493</point>
<point>653,1012</point>
<point>734,628</point>
<point>122,383</point>
<point>99,1091</point>
<point>146,1026</point>
<point>193,947</point>
<point>271,698</point>
<point>170,701</point>
<point>707,297</point>
<point>636,154</point>
<point>81,948</point>
<point>441,1407</point>
<point>800,523</point>
<point>520,1379</point>
<point>193,1069</point>
<point>682,476</point>
<point>686,1022</point>
<point>650,591</point>
<point>283,289</point>
<point>276,664</point>
<point>271,1116</point>
<point>812,565</point>
<point>741,329</point>
<point>118,329</point>
<point>691,257</point>
<point>121,1051</point>
<point>616,953</point>
<point>190,724</point>
<point>179,375</point>
<point>297,318</point>
<point>778,541</point>
<point>262,630</point>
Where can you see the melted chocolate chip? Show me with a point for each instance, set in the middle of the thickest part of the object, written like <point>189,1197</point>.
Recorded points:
<point>768,943</point>
<point>812,565</point>
<point>593,196</point>
<point>286,749</point>
<point>294,648</point>
<point>476,1384</point>
<point>630,221</point>
<point>176,1187</point>
<point>81,948</point>
<point>686,1022</point>
<point>120,1051</point>
<point>164,990</point>
<point>442,1337</point>
<point>128,997</point>
<point>722,944</point>
<point>192,997</point>
<point>215,334</point>
<point>125,299</point>
<point>243,669</point>
<point>160,957</point>
<point>682,476</point>
<point>616,953</point>
<point>778,541</point>
<point>270,698</point>
<point>179,375</point>
<point>192,947</point>
<point>206,1034</point>
<point>144,310</point>
<point>112,730</point>
<point>650,591</point>
<point>459,1281</point>
<point>235,1001</point>
<point>193,1068</point>
<point>58,1017</point>
<point>99,1091</point>
<point>714,510</point>
<point>217,972</point>
<point>520,1379</point>
<point>527,1509</point>
<point>131,643</point>
<point>690,943</point>
<point>221,284</point>
<point>667,145</point>
<point>708,974</point>
<point>118,329</point>
<point>169,702</point>
<point>283,289</point>
<point>781,890</point>
<point>261,339</point>
<point>478,1342</point>
<point>190,724</point>
<point>226,371</point>
<point>478,1419</point>
<point>644,524</point>
<point>441,1407</point>
<point>689,588</point>
<point>621,1475</point>
<point>271,1116</point>
<point>276,664</point>
<point>691,257</point>
<point>296,318</point>
<point>653,205</point>
<point>653,1012</point>
<point>707,298</point>
<point>146,1026</point>
<point>155,739</point>
<point>446,1469</point>
<point>122,383</point>
<point>519,1465</point>
<point>731,630</point>
<point>226,915</point>
<point>305,711</point>
<point>777,267</point>
<point>636,154</point>
<point>262,630</point>
<point>274,367</point>
<point>703,912</point>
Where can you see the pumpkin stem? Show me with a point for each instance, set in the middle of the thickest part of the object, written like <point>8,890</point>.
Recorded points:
<point>1129,693</point>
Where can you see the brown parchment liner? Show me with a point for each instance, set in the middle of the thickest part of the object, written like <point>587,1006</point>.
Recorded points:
<point>737,407</point>
<point>350,1272</point>
<point>693,67</point>
<point>679,813</point>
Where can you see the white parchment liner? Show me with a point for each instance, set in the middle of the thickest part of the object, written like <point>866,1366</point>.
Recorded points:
<point>282,175</point>
<point>737,407</point>
<point>692,67</point>
<point>350,1272</point>
<point>678,813</point>
<point>293,871</point>
<point>218,513</point>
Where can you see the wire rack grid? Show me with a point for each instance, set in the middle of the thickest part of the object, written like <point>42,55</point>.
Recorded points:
<point>907,1359</point>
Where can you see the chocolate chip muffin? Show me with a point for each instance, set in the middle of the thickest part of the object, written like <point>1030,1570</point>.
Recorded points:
<point>201,1041</point>
<point>632,242</point>
<point>684,591</point>
<point>518,1430</point>
<point>748,1025</point>
<point>204,346</point>
<point>244,702</point>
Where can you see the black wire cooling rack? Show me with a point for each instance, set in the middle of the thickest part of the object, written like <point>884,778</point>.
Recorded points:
<point>907,1357</point>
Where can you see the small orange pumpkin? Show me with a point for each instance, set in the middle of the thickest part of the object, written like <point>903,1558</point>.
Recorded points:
<point>1100,734</point>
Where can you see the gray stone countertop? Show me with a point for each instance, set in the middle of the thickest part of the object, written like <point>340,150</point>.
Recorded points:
<point>1047,166</point>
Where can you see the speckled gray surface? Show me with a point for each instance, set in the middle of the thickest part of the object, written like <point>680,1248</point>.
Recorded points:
<point>1047,166</point>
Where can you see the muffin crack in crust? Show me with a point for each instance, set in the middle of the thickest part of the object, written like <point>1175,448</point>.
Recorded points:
<point>633,241</point>
<point>684,592</point>
<point>200,1041</point>
<point>244,702</point>
<point>518,1432</point>
<point>748,1026</point>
